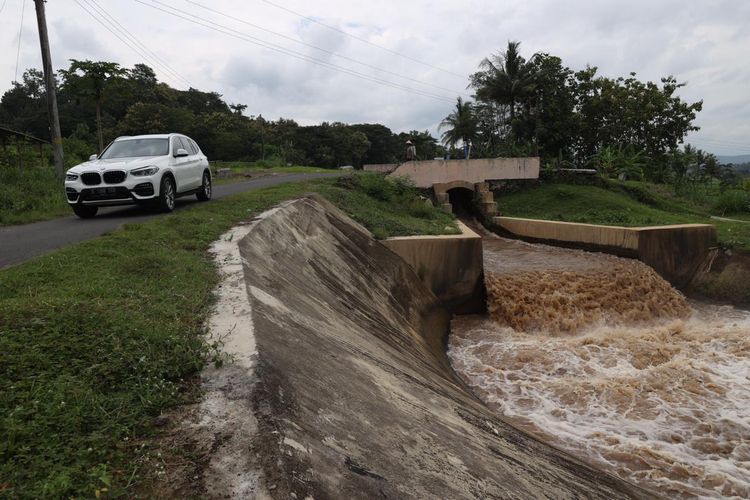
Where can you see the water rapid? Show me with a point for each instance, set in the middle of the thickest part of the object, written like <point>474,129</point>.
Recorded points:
<point>599,356</point>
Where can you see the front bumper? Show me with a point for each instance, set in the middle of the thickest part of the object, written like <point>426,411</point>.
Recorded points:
<point>134,189</point>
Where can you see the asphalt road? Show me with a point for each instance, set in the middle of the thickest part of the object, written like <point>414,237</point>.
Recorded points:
<point>20,243</point>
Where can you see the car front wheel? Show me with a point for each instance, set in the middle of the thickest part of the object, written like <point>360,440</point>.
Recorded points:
<point>85,211</point>
<point>204,194</point>
<point>167,194</point>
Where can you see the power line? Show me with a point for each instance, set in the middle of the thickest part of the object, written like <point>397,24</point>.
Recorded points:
<point>117,35</point>
<point>301,42</point>
<point>119,27</point>
<point>20,32</point>
<point>278,48</point>
<point>297,55</point>
<point>363,40</point>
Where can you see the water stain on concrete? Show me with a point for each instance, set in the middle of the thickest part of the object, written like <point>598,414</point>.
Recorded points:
<point>338,385</point>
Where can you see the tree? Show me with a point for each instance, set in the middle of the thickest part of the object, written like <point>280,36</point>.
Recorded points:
<point>506,78</point>
<point>625,111</point>
<point>385,146</point>
<point>460,125</point>
<point>89,78</point>
<point>238,108</point>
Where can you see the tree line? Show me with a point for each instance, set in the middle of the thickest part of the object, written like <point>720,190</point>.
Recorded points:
<point>99,101</point>
<point>622,126</point>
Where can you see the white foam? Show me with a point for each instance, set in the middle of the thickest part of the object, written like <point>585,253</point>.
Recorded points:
<point>680,424</point>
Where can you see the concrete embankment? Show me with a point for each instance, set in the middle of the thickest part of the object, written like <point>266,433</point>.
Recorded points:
<point>450,265</point>
<point>352,392</point>
<point>676,252</point>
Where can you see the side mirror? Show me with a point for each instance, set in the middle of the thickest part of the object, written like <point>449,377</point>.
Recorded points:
<point>93,157</point>
<point>180,153</point>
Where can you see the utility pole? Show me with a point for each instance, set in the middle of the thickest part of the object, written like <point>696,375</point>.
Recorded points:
<point>49,78</point>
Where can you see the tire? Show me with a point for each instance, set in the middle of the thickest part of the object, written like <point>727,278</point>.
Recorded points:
<point>85,211</point>
<point>167,194</point>
<point>206,190</point>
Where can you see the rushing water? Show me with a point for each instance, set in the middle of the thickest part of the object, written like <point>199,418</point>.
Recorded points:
<point>600,356</point>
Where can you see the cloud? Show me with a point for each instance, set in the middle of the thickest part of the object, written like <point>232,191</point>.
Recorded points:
<point>703,43</point>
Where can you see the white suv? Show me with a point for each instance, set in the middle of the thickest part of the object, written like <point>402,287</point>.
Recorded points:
<point>141,169</point>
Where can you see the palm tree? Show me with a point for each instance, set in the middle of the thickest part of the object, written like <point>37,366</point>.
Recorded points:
<point>460,125</point>
<point>506,78</point>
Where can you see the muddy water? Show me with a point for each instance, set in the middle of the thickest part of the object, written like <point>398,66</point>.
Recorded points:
<point>599,356</point>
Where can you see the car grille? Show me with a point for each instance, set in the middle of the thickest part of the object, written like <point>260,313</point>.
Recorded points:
<point>71,193</point>
<point>114,176</point>
<point>91,178</point>
<point>105,193</point>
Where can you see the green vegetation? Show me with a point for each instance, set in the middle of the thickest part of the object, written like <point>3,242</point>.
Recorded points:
<point>620,204</point>
<point>99,338</point>
<point>387,207</point>
<point>30,194</point>
<point>100,100</point>
<point>241,170</point>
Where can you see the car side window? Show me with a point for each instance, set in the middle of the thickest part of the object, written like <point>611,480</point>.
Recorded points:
<point>195,146</point>
<point>190,148</point>
<point>176,144</point>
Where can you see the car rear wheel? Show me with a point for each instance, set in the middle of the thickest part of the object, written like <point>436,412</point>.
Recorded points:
<point>85,211</point>
<point>167,194</point>
<point>205,191</point>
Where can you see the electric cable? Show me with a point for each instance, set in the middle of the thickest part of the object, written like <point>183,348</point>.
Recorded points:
<point>122,29</point>
<point>117,35</point>
<point>363,40</point>
<point>312,46</point>
<point>297,55</point>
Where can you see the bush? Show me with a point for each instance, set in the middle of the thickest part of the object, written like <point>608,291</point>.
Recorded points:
<point>420,208</point>
<point>29,194</point>
<point>732,202</point>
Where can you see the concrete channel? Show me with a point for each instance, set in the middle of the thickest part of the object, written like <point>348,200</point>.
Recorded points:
<point>340,385</point>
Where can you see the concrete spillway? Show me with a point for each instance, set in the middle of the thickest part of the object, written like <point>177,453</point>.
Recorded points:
<point>353,394</point>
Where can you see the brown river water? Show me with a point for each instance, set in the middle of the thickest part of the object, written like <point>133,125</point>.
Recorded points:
<point>599,356</point>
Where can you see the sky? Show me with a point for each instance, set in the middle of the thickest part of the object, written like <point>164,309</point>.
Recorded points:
<point>399,63</point>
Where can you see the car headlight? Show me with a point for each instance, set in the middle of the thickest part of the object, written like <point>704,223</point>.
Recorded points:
<point>142,172</point>
<point>71,177</point>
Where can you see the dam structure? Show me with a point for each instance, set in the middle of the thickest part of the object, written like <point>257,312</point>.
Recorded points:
<point>343,381</point>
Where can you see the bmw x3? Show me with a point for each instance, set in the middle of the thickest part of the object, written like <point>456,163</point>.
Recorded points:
<point>144,169</point>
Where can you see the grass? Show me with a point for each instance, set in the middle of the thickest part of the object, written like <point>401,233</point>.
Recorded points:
<point>99,338</point>
<point>387,208</point>
<point>30,194</point>
<point>242,170</point>
<point>620,204</point>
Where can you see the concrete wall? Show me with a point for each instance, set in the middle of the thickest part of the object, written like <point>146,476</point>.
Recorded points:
<point>427,173</point>
<point>382,168</point>
<point>354,396</point>
<point>451,266</point>
<point>675,252</point>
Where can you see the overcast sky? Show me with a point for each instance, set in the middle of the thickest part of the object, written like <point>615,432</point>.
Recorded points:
<point>419,46</point>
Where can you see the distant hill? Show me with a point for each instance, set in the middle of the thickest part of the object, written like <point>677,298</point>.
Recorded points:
<point>734,159</point>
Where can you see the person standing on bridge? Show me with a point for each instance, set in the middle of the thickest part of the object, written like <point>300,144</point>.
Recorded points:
<point>411,151</point>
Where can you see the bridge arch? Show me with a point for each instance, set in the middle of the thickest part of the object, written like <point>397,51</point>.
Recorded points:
<point>458,185</point>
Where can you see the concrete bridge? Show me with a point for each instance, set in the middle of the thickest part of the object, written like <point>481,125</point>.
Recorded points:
<point>454,180</point>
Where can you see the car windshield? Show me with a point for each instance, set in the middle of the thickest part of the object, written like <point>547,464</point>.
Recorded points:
<point>136,147</point>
